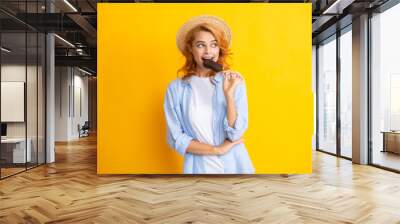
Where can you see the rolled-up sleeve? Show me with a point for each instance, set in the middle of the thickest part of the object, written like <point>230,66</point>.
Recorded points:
<point>241,123</point>
<point>176,137</point>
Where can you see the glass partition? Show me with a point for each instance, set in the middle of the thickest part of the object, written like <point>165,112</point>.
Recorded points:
<point>22,88</point>
<point>14,154</point>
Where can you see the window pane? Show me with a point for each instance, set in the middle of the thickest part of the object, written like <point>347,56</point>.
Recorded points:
<point>41,98</point>
<point>327,96</point>
<point>31,101</point>
<point>346,93</point>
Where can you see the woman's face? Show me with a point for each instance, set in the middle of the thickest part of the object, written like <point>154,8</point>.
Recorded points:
<point>204,46</point>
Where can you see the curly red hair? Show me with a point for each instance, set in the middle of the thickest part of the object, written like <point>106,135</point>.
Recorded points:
<point>189,68</point>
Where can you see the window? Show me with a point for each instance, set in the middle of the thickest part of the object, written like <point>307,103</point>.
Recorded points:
<point>327,95</point>
<point>346,93</point>
<point>385,88</point>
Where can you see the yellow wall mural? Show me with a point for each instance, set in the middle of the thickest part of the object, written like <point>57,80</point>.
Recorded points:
<point>138,58</point>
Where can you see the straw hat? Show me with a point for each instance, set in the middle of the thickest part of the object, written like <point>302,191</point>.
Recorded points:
<point>195,21</point>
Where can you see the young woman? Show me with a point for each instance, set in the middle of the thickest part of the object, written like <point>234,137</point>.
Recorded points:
<point>206,112</point>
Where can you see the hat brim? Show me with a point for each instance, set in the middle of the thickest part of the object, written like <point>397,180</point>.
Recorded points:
<point>198,20</point>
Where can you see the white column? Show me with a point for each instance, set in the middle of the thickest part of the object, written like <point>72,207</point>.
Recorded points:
<point>50,100</point>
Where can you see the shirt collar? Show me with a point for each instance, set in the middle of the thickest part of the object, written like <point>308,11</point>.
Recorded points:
<point>217,78</point>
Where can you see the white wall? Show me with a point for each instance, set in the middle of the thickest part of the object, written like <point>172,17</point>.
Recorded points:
<point>81,84</point>
<point>62,78</point>
<point>71,93</point>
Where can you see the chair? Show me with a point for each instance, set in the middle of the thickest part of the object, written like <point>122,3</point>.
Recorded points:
<point>84,130</point>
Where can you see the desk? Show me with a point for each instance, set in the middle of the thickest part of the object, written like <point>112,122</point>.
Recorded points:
<point>391,141</point>
<point>15,148</point>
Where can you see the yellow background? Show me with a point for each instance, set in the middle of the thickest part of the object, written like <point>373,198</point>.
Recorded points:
<point>137,58</point>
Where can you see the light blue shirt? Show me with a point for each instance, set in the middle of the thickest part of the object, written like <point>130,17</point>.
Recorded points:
<point>180,133</point>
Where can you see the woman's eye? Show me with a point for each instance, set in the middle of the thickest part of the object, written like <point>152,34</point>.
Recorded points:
<point>214,45</point>
<point>200,45</point>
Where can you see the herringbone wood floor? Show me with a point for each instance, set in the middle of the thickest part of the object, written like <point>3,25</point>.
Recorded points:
<point>69,191</point>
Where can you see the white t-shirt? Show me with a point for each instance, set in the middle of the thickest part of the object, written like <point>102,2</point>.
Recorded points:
<point>200,117</point>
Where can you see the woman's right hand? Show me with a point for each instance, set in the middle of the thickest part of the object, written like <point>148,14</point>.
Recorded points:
<point>227,146</point>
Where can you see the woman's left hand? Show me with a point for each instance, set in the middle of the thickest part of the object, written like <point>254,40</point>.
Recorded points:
<point>231,80</point>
